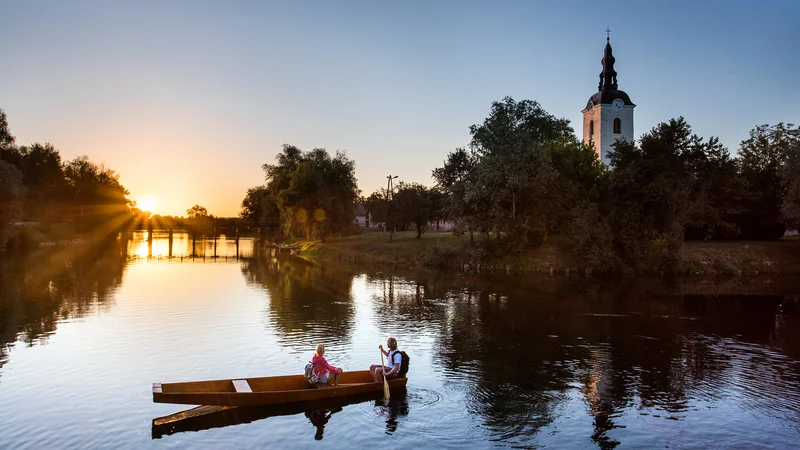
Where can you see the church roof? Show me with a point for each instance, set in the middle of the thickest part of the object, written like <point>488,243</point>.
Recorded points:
<point>607,89</point>
<point>605,97</point>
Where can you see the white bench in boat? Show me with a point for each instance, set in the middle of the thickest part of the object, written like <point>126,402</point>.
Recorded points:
<point>241,386</point>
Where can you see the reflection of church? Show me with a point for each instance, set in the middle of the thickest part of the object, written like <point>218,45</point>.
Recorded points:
<point>608,115</point>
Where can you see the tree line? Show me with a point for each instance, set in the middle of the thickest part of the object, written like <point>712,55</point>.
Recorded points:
<point>314,195</point>
<point>525,178</point>
<point>37,186</point>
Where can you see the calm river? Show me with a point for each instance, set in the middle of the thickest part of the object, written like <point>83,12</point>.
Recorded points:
<point>498,361</point>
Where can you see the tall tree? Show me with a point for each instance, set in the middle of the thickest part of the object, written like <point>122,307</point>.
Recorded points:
<point>46,180</point>
<point>6,138</point>
<point>416,205</point>
<point>12,193</point>
<point>761,157</point>
<point>453,179</point>
<point>259,209</point>
<point>98,200</point>
<point>376,206</point>
<point>659,188</point>
<point>196,212</point>
<point>514,175</point>
<point>316,193</point>
<point>790,179</point>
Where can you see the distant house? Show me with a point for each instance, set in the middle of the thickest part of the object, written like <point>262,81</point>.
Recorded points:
<point>362,218</point>
<point>444,225</point>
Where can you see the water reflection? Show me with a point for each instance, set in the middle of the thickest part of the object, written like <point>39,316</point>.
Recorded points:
<point>495,360</point>
<point>53,285</point>
<point>393,409</point>
<point>319,418</point>
<point>317,412</point>
<point>179,244</point>
<point>519,349</point>
<point>307,303</point>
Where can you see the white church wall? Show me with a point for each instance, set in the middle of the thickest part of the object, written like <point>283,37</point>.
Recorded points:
<point>604,136</point>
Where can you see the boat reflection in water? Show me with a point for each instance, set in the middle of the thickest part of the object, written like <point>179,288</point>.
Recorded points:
<point>318,412</point>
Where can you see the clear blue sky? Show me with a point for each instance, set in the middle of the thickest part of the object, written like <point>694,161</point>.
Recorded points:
<point>188,99</point>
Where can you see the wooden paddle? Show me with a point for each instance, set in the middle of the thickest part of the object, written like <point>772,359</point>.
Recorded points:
<point>385,383</point>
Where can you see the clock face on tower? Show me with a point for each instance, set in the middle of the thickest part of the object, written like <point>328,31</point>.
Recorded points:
<point>617,104</point>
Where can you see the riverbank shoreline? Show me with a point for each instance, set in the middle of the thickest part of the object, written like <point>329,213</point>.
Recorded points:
<point>446,251</point>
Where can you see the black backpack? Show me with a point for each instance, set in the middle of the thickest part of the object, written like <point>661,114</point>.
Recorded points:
<point>404,362</point>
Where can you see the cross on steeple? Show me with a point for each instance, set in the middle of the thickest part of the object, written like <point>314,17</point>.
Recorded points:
<point>608,34</point>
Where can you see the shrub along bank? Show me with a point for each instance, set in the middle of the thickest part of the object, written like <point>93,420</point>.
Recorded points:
<point>444,250</point>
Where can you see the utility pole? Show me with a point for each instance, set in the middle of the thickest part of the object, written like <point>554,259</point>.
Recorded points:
<point>389,187</point>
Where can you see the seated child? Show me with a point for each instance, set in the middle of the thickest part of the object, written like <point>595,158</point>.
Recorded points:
<point>322,368</point>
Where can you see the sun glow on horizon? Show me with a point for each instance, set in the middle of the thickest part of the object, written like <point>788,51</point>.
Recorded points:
<point>147,203</point>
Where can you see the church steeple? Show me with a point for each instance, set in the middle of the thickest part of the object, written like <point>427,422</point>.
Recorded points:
<point>608,115</point>
<point>608,77</point>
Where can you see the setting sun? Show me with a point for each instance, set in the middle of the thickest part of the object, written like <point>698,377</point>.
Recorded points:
<point>146,204</point>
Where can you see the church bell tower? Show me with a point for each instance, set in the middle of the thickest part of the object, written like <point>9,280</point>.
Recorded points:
<point>608,115</point>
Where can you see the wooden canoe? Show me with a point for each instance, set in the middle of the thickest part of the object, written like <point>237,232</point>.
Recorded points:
<point>267,390</point>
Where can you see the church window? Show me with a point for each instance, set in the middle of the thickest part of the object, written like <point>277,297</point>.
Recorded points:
<point>617,126</point>
<point>591,128</point>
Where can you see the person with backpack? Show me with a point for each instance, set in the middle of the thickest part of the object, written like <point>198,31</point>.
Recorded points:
<point>322,369</point>
<point>396,366</point>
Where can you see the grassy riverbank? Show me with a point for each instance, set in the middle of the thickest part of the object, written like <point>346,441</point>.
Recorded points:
<point>448,251</point>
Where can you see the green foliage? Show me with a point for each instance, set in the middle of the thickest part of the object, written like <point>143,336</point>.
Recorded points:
<point>672,181</point>
<point>417,205</point>
<point>790,180</point>
<point>509,183</point>
<point>79,190</point>
<point>761,158</point>
<point>259,209</point>
<point>12,193</point>
<point>200,221</point>
<point>7,140</point>
<point>377,206</point>
<point>517,126</point>
<point>591,240</point>
<point>44,179</point>
<point>253,204</point>
<point>196,212</point>
<point>97,198</point>
<point>453,180</point>
<point>314,193</point>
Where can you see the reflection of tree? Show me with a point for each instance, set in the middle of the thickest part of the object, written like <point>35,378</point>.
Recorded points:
<point>517,348</point>
<point>306,302</point>
<point>52,285</point>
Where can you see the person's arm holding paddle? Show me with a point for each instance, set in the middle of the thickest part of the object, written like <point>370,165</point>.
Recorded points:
<point>379,372</point>
<point>393,364</point>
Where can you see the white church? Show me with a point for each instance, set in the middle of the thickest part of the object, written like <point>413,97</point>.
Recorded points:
<point>608,115</point>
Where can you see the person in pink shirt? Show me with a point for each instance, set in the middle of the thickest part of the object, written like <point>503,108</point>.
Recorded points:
<point>322,368</point>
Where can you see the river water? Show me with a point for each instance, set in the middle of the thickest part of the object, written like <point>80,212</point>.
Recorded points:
<point>496,361</point>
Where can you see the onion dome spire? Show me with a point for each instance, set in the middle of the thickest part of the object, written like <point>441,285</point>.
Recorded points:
<point>608,77</point>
